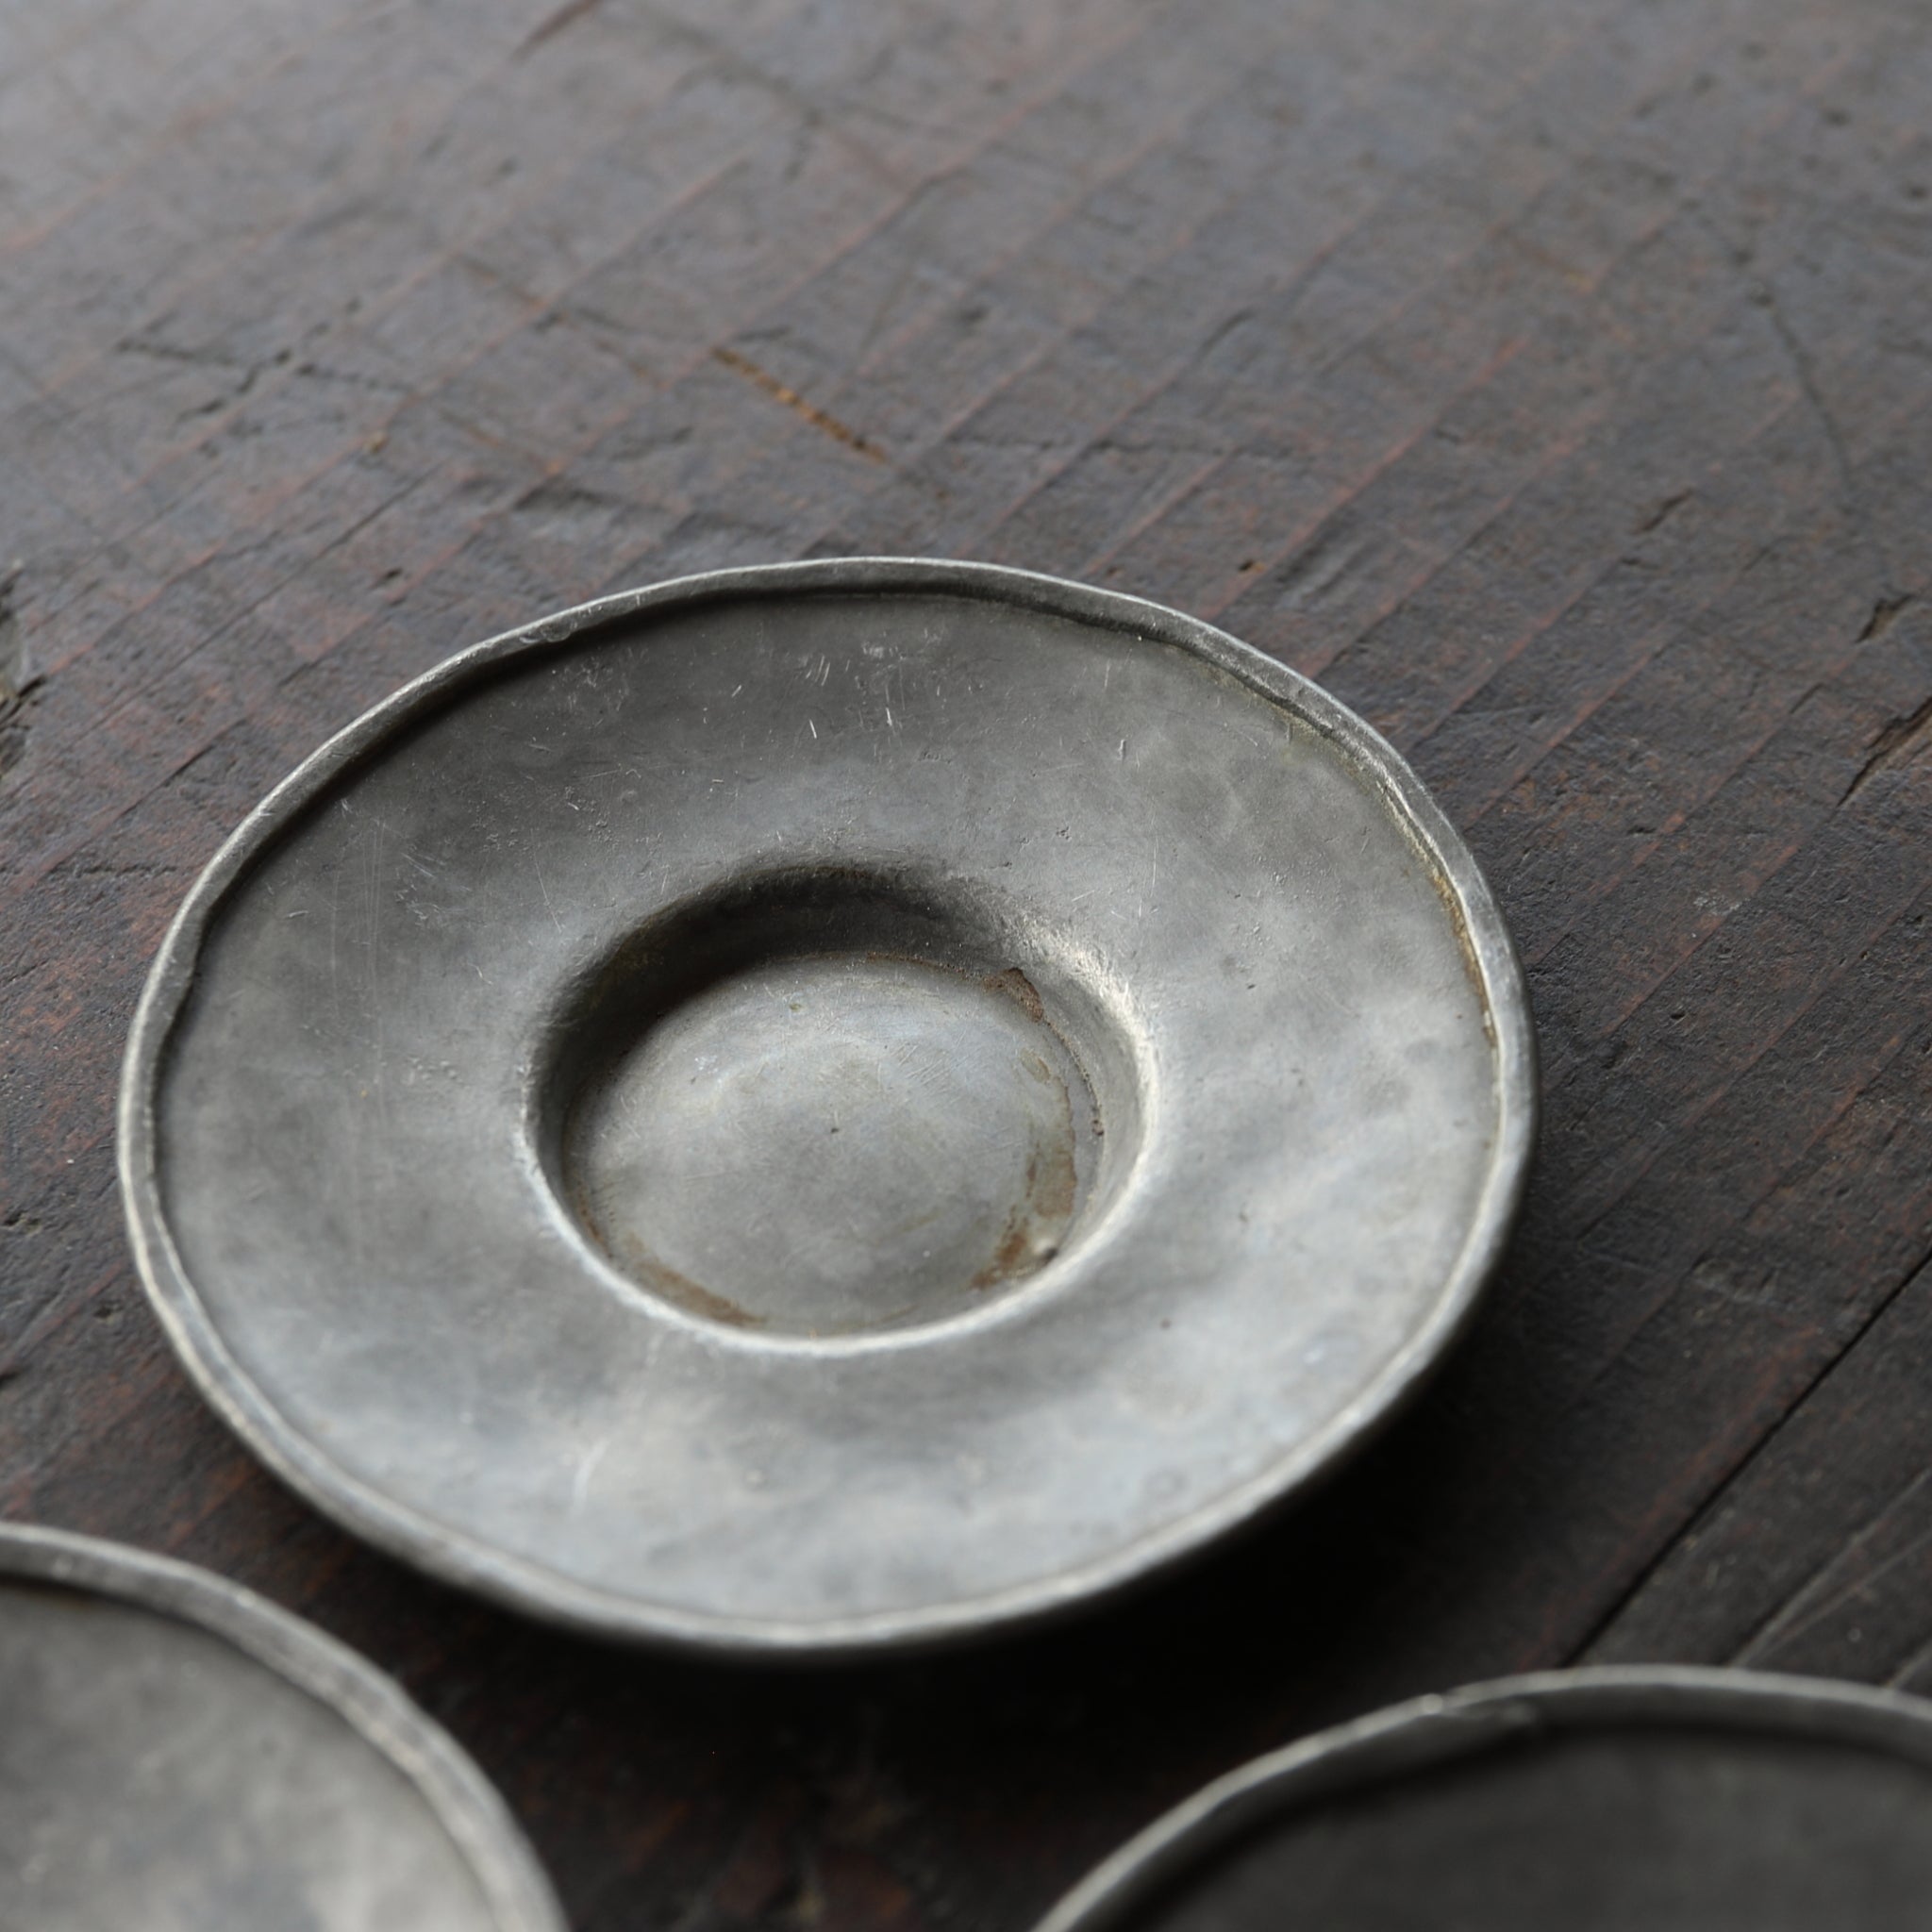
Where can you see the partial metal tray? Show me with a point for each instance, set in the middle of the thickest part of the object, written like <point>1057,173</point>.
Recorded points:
<point>1627,1800</point>
<point>827,1105</point>
<point>178,1754</point>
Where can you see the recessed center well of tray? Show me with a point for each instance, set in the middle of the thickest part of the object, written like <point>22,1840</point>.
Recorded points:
<point>819,1105</point>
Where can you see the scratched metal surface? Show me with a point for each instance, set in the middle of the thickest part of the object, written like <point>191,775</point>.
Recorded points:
<point>1550,379</point>
<point>829,1107</point>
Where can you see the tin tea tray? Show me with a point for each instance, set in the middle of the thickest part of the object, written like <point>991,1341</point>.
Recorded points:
<point>827,1105</point>
<point>178,1755</point>
<point>1641,1800</point>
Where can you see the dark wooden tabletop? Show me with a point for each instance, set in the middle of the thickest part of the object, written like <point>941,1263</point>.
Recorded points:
<point>1551,380</point>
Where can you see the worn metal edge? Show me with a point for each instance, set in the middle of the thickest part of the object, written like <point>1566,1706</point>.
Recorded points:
<point>533,1589</point>
<point>1428,1731</point>
<point>461,1798</point>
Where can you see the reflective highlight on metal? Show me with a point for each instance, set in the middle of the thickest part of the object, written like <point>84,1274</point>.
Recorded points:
<point>1626,1800</point>
<point>834,1105</point>
<point>178,1754</point>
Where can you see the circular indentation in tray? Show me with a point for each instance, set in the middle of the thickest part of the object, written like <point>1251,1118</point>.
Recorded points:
<point>815,1104</point>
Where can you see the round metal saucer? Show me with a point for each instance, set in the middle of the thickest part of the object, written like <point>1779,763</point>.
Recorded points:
<point>826,1106</point>
<point>1639,1800</point>
<point>178,1754</point>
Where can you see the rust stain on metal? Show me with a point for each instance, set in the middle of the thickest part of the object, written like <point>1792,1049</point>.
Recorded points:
<point>1039,1221</point>
<point>644,1268</point>
<point>784,393</point>
<point>1033,1230</point>
<point>1465,943</point>
<point>1472,966</point>
<point>682,1290</point>
<point>1018,988</point>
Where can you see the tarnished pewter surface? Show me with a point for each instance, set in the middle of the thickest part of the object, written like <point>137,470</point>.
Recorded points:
<point>828,1105</point>
<point>178,1756</point>
<point>1611,1800</point>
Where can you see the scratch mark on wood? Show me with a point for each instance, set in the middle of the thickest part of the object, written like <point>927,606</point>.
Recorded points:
<point>783,393</point>
<point>1800,359</point>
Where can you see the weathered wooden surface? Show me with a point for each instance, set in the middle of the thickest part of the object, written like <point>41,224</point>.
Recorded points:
<point>1551,379</point>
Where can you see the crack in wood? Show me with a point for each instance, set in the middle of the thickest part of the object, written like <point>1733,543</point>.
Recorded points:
<point>1659,512</point>
<point>1898,743</point>
<point>19,684</point>
<point>1884,614</point>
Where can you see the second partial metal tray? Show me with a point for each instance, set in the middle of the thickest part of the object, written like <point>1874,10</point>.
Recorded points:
<point>1630,1800</point>
<point>178,1755</point>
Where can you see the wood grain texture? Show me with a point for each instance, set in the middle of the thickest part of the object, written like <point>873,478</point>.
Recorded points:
<point>1553,380</point>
